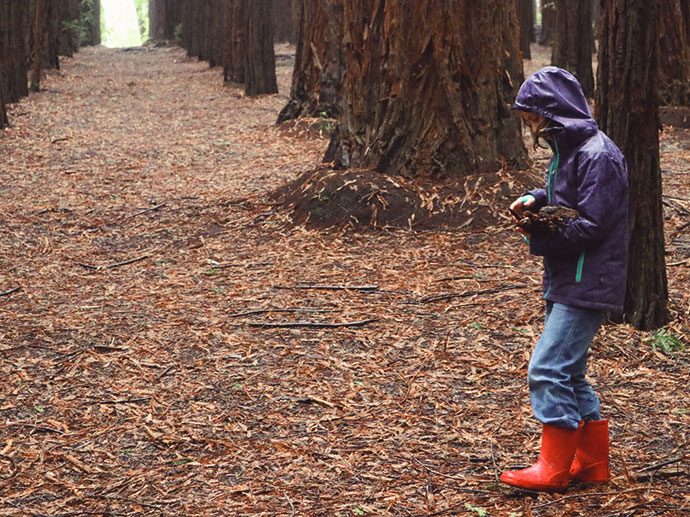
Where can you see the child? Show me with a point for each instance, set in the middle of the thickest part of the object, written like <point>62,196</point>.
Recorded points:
<point>585,268</point>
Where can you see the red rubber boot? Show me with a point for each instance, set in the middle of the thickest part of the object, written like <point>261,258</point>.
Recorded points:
<point>551,472</point>
<point>591,463</point>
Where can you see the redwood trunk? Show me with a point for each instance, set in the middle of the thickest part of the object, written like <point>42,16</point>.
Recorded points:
<point>525,14</point>
<point>38,46</point>
<point>428,87</point>
<point>235,42</point>
<point>674,52</point>
<point>573,41</point>
<point>548,21</point>
<point>14,21</point>
<point>3,112</point>
<point>260,61</point>
<point>627,107</point>
<point>319,61</point>
<point>284,20</point>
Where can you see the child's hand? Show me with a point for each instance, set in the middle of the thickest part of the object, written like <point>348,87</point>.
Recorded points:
<point>519,205</point>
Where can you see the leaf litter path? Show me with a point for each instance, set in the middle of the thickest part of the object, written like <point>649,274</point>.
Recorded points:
<point>134,226</point>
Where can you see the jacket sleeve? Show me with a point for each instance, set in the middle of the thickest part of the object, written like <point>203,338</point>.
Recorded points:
<point>539,195</point>
<point>601,185</point>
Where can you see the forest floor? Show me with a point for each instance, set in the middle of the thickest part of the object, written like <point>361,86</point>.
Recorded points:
<point>145,278</point>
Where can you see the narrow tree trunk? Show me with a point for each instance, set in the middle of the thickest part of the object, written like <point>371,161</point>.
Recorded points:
<point>627,108</point>
<point>548,22</point>
<point>284,21</point>
<point>674,53</point>
<point>235,42</point>
<point>319,61</point>
<point>3,112</point>
<point>573,40</point>
<point>260,61</point>
<point>525,14</point>
<point>13,56</point>
<point>38,46</point>
<point>428,87</point>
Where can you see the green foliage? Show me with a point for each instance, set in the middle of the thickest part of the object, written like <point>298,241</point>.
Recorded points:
<point>142,7</point>
<point>78,28</point>
<point>481,512</point>
<point>665,341</point>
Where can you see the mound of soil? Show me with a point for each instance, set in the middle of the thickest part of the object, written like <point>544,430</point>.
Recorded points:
<point>329,198</point>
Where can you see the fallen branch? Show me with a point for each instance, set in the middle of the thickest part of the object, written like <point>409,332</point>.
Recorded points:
<point>33,427</point>
<point>117,264</point>
<point>240,264</point>
<point>310,324</point>
<point>121,401</point>
<point>450,296</point>
<point>264,311</point>
<point>679,263</point>
<point>330,287</point>
<point>143,211</point>
<point>10,291</point>
<point>657,466</point>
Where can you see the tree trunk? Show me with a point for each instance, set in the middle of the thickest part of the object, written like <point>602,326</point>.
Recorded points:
<point>573,40</point>
<point>235,42</point>
<point>14,21</point>
<point>319,61</point>
<point>3,112</point>
<point>284,20</point>
<point>627,108</point>
<point>525,14</point>
<point>674,53</point>
<point>260,61</point>
<point>38,46</point>
<point>428,87</point>
<point>93,34</point>
<point>548,22</point>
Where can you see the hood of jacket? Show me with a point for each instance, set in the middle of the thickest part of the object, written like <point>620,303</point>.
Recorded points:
<point>556,94</point>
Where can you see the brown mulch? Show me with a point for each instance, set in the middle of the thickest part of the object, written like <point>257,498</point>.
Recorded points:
<point>174,344</point>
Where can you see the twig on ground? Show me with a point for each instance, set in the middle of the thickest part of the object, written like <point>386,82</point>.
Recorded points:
<point>143,211</point>
<point>450,296</point>
<point>311,324</point>
<point>657,466</point>
<point>264,311</point>
<point>10,291</point>
<point>330,287</point>
<point>116,264</point>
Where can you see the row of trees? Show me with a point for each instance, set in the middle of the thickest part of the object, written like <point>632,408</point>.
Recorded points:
<point>33,34</point>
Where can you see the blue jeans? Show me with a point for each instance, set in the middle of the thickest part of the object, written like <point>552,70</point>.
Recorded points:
<point>559,392</point>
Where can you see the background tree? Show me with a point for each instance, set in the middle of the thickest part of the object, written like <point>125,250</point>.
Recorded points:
<point>38,36</point>
<point>627,108</point>
<point>573,41</point>
<point>14,22</point>
<point>548,21</point>
<point>674,52</point>
<point>525,14</point>
<point>165,17</point>
<point>428,87</point>
<point>3,111</point>
<point>317,76</point>
<point>235,42</point>
<point>285,16</point>
<point>260,61</point>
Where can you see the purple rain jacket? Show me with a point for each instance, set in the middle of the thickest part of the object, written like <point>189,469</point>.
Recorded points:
<point>585,262</point>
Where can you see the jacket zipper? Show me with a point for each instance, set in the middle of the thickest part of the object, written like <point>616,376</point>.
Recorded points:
<point>553,171</point>
<point>580,265</point>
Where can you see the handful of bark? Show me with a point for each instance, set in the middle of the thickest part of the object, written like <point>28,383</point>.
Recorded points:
<point>547,220</point>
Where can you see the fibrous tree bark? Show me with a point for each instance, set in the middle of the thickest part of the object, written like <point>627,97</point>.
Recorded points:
<point>165,16</point>
<point>573,41</point>
<point>428,87</point>
<point>3,112</point>
<point>525,14</point>
<point>235,42</point>
<point>38,36</point>
<point>14,22</point>
<point>319,61</point>
<point>259,59</point>
<point>284,14</point>
<point>627,108</point>
<point>674,52</point>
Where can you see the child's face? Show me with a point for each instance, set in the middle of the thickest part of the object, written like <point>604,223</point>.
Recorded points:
<point>533,121</point>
